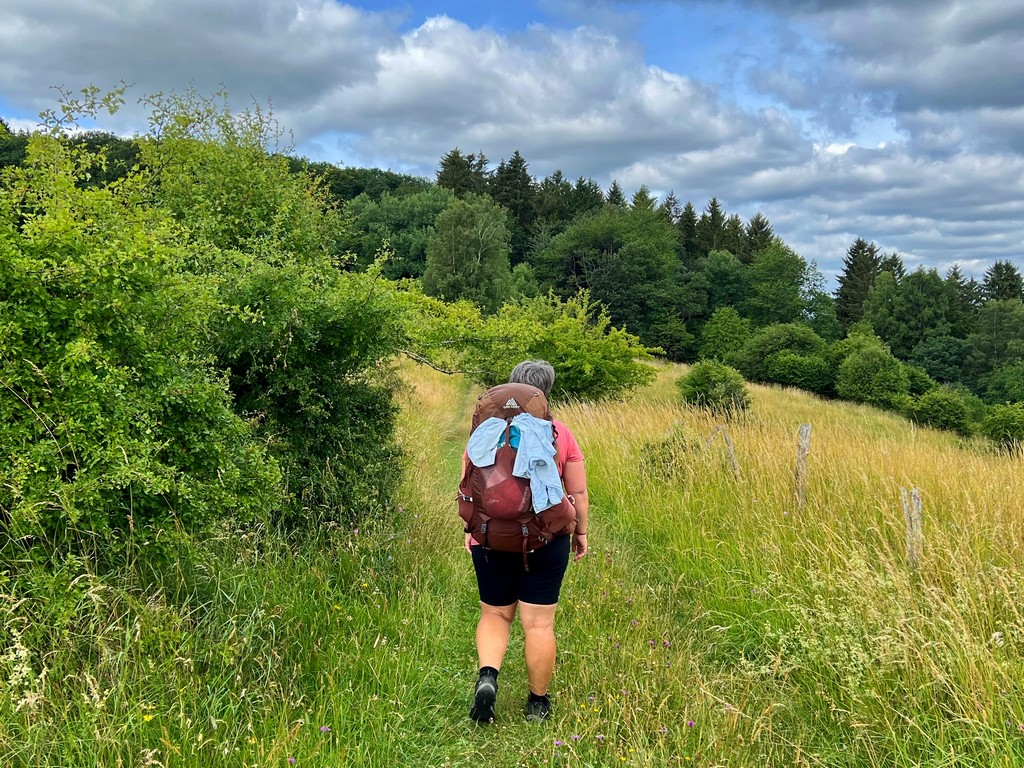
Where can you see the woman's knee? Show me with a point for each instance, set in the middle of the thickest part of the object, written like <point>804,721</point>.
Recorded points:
<point>537,617</point>
<point>506,612</point>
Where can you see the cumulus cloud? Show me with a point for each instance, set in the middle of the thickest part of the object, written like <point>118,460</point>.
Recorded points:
<point>940,184</point>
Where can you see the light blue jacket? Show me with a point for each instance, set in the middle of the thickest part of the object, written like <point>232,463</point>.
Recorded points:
<point>535,455</point>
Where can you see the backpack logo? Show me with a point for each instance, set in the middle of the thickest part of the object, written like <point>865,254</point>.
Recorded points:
<point>512,403</point>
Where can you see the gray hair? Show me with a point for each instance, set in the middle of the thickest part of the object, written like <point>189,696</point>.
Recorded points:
<point>536,373</point>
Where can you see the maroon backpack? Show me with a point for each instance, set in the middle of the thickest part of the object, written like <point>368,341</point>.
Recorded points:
<point>497,506</point>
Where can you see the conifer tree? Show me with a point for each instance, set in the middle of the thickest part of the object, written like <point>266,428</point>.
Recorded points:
<point>893,264</point>
<point>514,189</point>
<point>587,197</point>
<point>735,239</point>
<point>1003,282</point>
<point>671,208</point>
<point>687,226</point>
<point>711,228</point>
<point>860,268</point>
<point>759,234</point>
<point>463,174</point>
<point>642,199</point>
<point>615,195</point>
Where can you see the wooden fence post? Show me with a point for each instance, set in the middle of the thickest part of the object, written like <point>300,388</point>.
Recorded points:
<point>912,514</point>
<point>800,475</point>
<point>730,449</point>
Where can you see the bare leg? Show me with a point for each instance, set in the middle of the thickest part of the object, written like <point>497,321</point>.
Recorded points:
<point>492,633</point>
<point>539,630</point>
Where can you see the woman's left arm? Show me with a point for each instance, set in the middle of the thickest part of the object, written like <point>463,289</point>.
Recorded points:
<point>574,478</point>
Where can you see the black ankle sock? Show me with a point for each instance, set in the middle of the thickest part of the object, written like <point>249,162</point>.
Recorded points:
<point>488,671</point>
<point>535,697</point>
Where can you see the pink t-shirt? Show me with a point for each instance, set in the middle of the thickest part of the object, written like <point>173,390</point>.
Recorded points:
<point>568,448</point>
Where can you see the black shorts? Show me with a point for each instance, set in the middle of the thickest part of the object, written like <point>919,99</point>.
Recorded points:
<point>502,580</point>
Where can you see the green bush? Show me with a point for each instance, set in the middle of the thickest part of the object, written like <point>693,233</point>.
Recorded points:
<point>918,380</point>
<point>810,372</point>
<point>303,344</point>
<point>672,456</point>
<point>1006,385</point>
<point>943,409</point>
<point>752,360</point>
<point>592,360</point>
<point>724,334</point>
<point>113,422</point>
<point>1005,425</point>
<point>714,386</point>
<point>872,375</point>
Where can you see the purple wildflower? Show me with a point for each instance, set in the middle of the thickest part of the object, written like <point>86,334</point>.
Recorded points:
<point>325,729</point>
<point>690,723</point>
<point>599,737</point>
<point>558,742</point>
<point>576,737</point>
<point>291,761</point>
<point>650,643</point>
<point>667,644</point>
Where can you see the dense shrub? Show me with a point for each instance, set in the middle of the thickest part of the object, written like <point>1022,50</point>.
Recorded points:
<point>752,360</point>
<point>1006,385</point>
<point>1005,425</point>
<point>942,357</point>
<point>872,375</point>
<point>113,423</point>
<point>714,386</point>
<point>810,372</point>
<point>724,334</point>
<point>592,360</point>
<point>943,409</point>
<point>303,343</point>
<point>674,455</point>
<point>918,380</point>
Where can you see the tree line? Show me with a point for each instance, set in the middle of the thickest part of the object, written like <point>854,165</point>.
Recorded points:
<point>690,285</point>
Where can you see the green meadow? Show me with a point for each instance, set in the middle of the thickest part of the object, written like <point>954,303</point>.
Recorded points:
<point>717,621</point>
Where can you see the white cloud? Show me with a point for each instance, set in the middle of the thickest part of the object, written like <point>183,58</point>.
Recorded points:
<point>354,87</point>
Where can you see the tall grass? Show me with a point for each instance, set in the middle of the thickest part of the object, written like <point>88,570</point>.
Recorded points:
<point>715,623</point>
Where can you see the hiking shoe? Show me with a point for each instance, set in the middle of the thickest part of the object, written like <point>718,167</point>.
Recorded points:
<point>484,694</point>
<point>538,709</point>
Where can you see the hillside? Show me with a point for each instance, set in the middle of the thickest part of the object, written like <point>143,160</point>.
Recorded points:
<point>715,623</point>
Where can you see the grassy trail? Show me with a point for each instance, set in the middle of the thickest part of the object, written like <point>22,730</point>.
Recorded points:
<point>715,623</point>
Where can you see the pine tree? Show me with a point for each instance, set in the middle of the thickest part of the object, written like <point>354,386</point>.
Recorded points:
<point>615,195</point>
<point>687,226</point>
<point>1003,282</point>
<point>514,189</point>
<point>964,301</point>
<point>554,203</point>
<point>759,234</point>
<point>893,264</point>
<point>643,200</point>
<point>671,209</point>
<point>463,174</point>
<point>587,197</point>
<point>711,228</point>
<point>860,268</point>
<point>735,239</point>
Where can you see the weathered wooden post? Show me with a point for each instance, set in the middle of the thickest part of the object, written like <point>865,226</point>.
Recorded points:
<point>730,449</point>
<point>803,448</point>
<point>912,514</point>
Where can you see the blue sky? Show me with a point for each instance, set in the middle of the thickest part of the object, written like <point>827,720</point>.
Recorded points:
<point>900,122</point>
